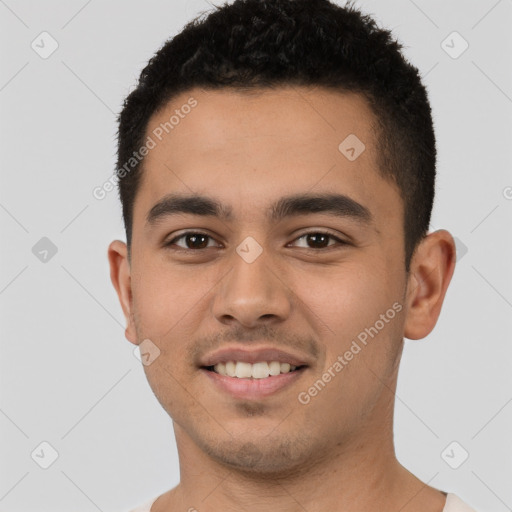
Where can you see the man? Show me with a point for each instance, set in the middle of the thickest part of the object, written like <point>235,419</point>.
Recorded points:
<point>276,168</point>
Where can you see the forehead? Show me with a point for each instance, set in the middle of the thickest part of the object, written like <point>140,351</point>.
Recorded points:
<point>247,149</point>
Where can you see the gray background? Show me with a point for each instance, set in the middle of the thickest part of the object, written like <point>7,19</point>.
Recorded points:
<point>69,377</point>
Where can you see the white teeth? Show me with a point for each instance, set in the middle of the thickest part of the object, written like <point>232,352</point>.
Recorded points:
<point>275,368</point>
<point>259,370</point>
<point>221,368</point>
<point>230,368</point>
<point>243,370</point>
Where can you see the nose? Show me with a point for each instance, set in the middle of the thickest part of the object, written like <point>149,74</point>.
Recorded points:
<point>252,293</point>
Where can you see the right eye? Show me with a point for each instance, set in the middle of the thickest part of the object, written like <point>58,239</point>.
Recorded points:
<point>193,241</point>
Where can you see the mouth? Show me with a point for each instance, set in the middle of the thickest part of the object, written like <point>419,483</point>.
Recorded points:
<point>256,381</point>
<point>258,370</point>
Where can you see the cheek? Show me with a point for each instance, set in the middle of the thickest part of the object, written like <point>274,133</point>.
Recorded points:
<point>344,298</point>
<point>165,299</point>
<point>168,305</point>
<point>362,343</point>
<point>358,309</point>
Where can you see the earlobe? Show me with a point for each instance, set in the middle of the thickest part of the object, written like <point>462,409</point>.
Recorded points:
<point>120,275</point>
<point>431,272</point>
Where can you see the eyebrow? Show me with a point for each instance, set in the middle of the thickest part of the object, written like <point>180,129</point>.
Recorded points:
<point>338,205</point>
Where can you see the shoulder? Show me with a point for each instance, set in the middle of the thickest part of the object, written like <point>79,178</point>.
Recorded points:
<point>455,504</point>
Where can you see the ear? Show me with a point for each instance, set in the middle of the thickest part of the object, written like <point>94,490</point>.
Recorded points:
<point>431,271</point>
<point>120,275</point>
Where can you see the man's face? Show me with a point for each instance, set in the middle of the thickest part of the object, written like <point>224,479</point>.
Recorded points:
<point>258,281</point>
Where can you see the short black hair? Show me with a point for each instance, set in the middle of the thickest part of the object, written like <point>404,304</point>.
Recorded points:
<point>265,44</point>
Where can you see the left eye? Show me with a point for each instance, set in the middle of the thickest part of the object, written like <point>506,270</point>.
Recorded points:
<point>196,241</point>
<point>320,238</point>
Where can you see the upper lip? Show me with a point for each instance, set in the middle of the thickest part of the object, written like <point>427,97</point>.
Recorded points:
<point>252,356</point>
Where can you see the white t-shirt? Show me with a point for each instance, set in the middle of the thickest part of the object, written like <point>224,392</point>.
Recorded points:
<point>453,504</point>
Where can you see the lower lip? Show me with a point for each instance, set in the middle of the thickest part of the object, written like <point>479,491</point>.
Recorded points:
<point>253,388</point>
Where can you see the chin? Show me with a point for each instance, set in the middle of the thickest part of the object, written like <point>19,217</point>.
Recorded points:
<point>265,456</point>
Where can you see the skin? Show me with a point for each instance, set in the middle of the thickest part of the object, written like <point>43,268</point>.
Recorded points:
<point>247,151</point>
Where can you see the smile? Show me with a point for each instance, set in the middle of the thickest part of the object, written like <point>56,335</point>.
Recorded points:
<point>249,387</point>
<point>259,370</point>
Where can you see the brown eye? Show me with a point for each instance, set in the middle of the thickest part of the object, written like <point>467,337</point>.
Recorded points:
<point>319,240</point>
<point>192,241</point>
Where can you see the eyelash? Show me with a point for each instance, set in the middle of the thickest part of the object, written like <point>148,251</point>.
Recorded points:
<point>183,235</point>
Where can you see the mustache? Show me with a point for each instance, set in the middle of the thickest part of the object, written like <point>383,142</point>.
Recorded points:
<point>263,334</point>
